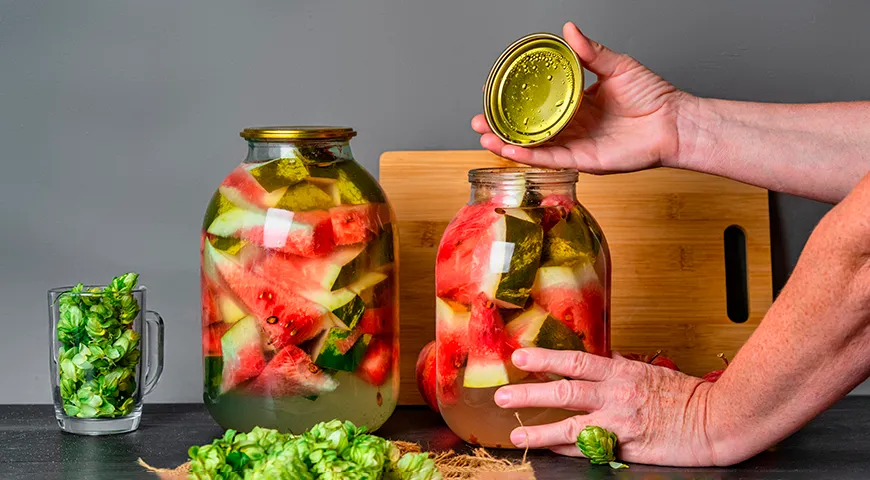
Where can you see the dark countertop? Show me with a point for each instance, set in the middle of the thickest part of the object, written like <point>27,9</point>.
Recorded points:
<point>836,445</point>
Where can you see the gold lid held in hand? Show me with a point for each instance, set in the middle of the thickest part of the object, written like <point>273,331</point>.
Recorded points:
<point>533,90</point>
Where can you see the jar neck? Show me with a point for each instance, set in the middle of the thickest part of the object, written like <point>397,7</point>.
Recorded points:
<point>308,151</point>
<point>516,187</point>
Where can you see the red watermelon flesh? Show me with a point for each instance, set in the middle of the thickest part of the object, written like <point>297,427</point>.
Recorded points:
<point>461,263</point>
<point>489,363</point>
<point>305,272</point>
<point>209,309</point>
<point>211,338</point>
<point>355,223</point>
<point>376,321</point>
<point>377,363</point>
<point>286,317</point>
<point>559,206</point>
<point>451,349</point>
<point>289,373</point>
<point>244,191</point>
<point>308,234</point>
<point>577,300</point>
<point>243,358</point>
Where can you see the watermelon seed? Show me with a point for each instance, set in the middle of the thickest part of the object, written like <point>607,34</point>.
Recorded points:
<point>380,399</point>
<point>313,368</point>
<point>272,320</point>
<point>489,305</point>
<point>499,211</point>
<point>293,332</point>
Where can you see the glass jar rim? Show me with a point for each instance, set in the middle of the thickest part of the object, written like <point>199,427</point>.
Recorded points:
<point>522,175</point>
<point>297,132</point>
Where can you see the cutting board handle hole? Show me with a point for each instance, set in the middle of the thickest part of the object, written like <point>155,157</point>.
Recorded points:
<point>736,284</point>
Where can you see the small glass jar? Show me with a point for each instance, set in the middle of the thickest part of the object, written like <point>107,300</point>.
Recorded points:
<point>299,281</point>
<point>523,264</point>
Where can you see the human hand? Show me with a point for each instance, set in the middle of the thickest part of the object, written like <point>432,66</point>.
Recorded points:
<point>658,414</point>
<point>628,120</point>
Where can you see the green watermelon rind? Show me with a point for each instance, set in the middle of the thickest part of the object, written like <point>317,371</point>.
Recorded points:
<point>537,328</point>
<point>280,172</point>
<point>327,355</point>
<point>570,242</point>
<point>304,197</point>
<point>518,242</point>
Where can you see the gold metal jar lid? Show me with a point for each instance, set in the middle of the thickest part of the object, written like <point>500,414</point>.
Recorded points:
<point>533,90</point>
<point>305,132</point>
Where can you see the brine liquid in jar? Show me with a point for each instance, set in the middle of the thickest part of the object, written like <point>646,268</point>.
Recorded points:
<point>523,264</point>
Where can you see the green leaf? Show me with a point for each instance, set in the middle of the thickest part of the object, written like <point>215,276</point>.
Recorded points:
<point>617,465</point>
<point>86,411</point>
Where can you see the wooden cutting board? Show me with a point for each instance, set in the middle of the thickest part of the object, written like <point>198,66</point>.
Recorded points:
<point>665,228</point>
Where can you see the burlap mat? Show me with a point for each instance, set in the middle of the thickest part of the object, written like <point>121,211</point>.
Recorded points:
<point>480,465</point>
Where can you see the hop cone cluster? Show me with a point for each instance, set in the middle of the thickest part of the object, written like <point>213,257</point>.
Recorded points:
<point>99,349</point>
<point>329,450</point>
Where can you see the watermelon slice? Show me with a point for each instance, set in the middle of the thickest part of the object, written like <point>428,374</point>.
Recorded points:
<point>211,338</point>
<point>286,317</point>
<point>377,321</point>
<point>350,183</point>
<point>512,255</point>
<point>569,242</point>
<point>308,234</point>
<point>458,271</point>
<point>290,373</point>
<point>305,196</point>
<point>242,353</point>
<point>278,173</point>
<point>576,298</point>
<point>338,269</point>
<point>377,363</point>
<point>209,308</point>
<point>537,328</point>
<point>353,224</point>
<point>451,348</point>
<point>241,189</point>
<point>340,349</point>
<point>489,363</point>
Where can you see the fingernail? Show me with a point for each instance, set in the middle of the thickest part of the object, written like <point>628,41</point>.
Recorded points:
<point>520,358</point>
<point>518,438</point>
<point>502,397</point>
<point>508,151</point>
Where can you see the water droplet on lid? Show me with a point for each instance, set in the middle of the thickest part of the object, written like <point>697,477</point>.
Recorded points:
<point>526,121</point>
<point>549,77</point>
<point>559,103</point>
<point>524,86</point>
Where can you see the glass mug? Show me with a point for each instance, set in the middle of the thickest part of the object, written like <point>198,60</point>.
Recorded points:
<point>98,377</point>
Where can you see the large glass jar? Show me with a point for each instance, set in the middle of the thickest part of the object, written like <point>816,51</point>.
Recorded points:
<point>299,287</point>
<point>523,264</point>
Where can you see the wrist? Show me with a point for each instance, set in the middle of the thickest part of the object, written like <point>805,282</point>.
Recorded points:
<point>692,123</point>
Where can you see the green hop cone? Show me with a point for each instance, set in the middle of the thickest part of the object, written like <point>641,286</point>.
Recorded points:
<point>368,452</point>
<point>415,466</point>
<point>597,444</point>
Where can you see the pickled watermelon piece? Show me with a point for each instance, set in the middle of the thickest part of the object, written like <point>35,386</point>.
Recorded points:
<point>242,353</point>
<point>217,206</point>
<point>489,363</point>
<point>211,338</point>
<point>451,348</point>
<point>353,224</point>
<point>291,373</point>
<point>380,252</point>
<point>242,190</point>
<point>303,197</point>
<point>458,271</point>
<point>535,327</point>
<point>352,185</point>
<point>574,296</point>
<point>231,246</point>
<point>308,234</point>
<point>281,172</point>
<point>330,350</point>
<point>336,270</point>
<point>286,317</point>
<point>208,304</point>
<point>377,363</point>
<point>513,257</point>
<point>569,242</point>
<point>230,311</point>
<point>376,321</point>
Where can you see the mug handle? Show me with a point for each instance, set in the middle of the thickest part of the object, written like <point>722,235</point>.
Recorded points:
<point>154,343</point>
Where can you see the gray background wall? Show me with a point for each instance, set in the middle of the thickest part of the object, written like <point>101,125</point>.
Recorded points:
<point>119,118</point>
